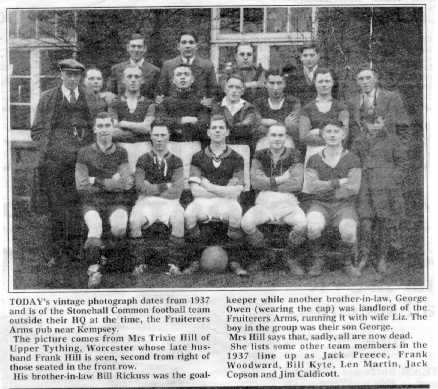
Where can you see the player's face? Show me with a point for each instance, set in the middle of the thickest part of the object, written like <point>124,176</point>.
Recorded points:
<point>160,138</point>
<point>70,78</point>
<point>218,131</point>
<point>136,49</point>
<point>324,84</point>
<point>333,135</point>
<point>309,58</point>
<point>132,78</point>
<point>182,77</point>
<point>244,56</point>
<point>366,80</point>
<point>234,90</point>
<point>275,86</point>
<point>93,80</point>
<point>187,46</point>
<point>103,129</point>
<point>277,137</point>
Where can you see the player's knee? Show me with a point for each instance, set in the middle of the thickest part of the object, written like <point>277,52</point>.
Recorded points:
<point>315,224</point>
<point>248,222</point>
<point>300,222</point>
<point>94,224</point>
<point>177,214</point>
<point>348,230</point>
<point>118,222</point>
<point>136,221</point>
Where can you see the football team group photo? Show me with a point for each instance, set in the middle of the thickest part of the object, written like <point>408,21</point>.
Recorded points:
<point>220,163</point>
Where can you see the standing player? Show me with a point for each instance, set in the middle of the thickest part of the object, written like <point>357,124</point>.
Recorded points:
<point>102,177</point>
<point>159,181</point>
<point>136,48</point>
<point>134,113</point>
<point>205,83</point>
<point>333,177</point>
<point>182,112</point>
<point>277,173</point>
<point>278,107</point>
<point>216,181</point>
<point>242,118</point>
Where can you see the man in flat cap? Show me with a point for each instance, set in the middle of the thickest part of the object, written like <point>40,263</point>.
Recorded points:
<point>136,48</point>
<point>62,125</point>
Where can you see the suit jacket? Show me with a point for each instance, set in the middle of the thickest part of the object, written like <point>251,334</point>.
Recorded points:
<point>150,78</point>
<point>388,105</point>
<point>205,83</point>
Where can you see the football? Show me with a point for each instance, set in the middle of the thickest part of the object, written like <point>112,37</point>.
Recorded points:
<point>214,259</point>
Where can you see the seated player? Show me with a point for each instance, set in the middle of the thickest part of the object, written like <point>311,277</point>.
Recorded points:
<point>242,118</point>
<point>159,182</point>
<point>216,181</point>
<point>102,178</point>
<point>278,107</point>
<point>182,111</point>
<point>133,112</point>
<point>277,173</point>
<point>334,176</point>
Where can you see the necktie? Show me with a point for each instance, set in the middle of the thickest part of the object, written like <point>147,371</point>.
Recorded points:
<point>72,97</point>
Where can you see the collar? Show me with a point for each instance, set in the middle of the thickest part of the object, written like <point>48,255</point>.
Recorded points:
<point>188,61</point>
<point>109,150</point>
<point>318,100</point>
<point>155,155</point>
<point>278,106</point>
<point>233,108</point>
<point>224,154</point>
<point>124,98</point>
<point>284,154</point>
<point>139,63</point>
<point>66,92</point>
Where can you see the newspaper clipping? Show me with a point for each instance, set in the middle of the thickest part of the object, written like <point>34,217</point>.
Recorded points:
<point>217,195</point>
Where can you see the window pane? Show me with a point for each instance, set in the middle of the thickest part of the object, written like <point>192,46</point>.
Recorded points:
<point>301,19</point>
<point>229,22</point>
<point>66,25</point>
<point>27,28</point>
<point>12,16</point>
<point>49,82</point>
<point>20,90</point>
<point>283,57</point>
<point>50,59</point>
<point>226,55</point>
<point>46,24</point>
<point>276,20</point>
<point>20,117</point>
<point>252,20</point>
<point>20,60</point>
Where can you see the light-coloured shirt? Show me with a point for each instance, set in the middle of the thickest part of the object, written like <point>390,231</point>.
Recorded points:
<point>233,108</point>
<point>67,93</point>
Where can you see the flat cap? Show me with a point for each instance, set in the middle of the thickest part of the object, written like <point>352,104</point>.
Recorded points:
<point>71,64</point>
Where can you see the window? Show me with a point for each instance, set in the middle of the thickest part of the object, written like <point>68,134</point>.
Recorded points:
<point>37,41</point>
<point>276,33</point>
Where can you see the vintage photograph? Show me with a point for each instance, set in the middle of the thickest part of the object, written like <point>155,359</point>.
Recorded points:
<point>202,147</point>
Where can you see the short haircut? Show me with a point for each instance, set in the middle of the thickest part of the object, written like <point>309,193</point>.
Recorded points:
<point>92,67</point>
<point>310,46</point>
<point>188,32</point>
<point>274,72</point>
<point>217,117</point>
<point>237,76</point>
<point>103,115</point>
<point>183,65</point>
<point>324,70</point>
<point>136,36</point>
<point>158,122</point>
<point>132,66</point>
<point>366,66</point>
<point>332,122</point>
<point>243,43</point>
<point>277,124</point>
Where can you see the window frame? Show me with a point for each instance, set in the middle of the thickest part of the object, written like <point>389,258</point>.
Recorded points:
<point>35,46</point>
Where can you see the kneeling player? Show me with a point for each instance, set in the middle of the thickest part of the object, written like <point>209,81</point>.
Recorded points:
<point>159,182</point>
<point>102,179</point>
<point>277,172</point>
<point>216,181</point>
<point>334,176</point>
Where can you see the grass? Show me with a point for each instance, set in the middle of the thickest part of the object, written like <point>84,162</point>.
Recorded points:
<point>30,269</point>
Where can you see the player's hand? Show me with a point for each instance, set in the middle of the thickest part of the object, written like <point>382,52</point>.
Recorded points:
<point>251,84</point>
<point>116,176</point>
<point>291,119</point>
<point>159,99</point>
<point>205,182</point>
<point>343,181</point>
<point>207,102</point>
<point>315,132</point>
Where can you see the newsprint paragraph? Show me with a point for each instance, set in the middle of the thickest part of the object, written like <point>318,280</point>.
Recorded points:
<point>218,195</point>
